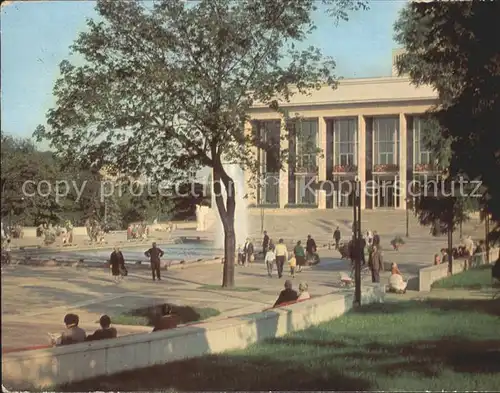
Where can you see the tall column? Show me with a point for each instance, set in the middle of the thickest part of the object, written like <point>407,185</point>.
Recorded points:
<point>283,186</point>
<point>251,179</point>
<point>321,193</point>
<point>361,138</point>
<point>402,161</point>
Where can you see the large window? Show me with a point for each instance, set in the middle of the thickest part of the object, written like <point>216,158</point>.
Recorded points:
<point>306,132</point>
<point>422,153</point>
<point>386,141</point>
<point>306,193</point>
<point>269,133</point>
<point>345,142</point>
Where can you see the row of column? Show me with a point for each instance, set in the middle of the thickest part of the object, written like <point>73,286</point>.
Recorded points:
<point>322,175</point>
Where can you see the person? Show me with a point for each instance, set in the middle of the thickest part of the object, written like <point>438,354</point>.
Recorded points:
<point>303,293</point>
<point>129,232</point>
<point>265,244</point>
<point>105,332</point>
<point>377,264</point>
<point>270,259</point>
<point>167,320</point>
<point>240,255</point>
<point>117,264</point>
<point>376,239</point>
<point>300,256</point>
<point>286,295</point>
<point>369,238</point>
<point>481,247</point>
<point>281,256</point>
<point>337,236</point>
<point>248,250</point>
<point>7,250</point>
<point>437,259</point>
<point>310,247</point>
<point>469,246</point>
<point>154,254</point>
<point>73,333</point>
<point>362,246</point>
<point>396,283</point>
<point>292,262</point>
<point>444,255</point>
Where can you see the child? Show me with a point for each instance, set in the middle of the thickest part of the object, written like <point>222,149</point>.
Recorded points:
<point>293,263</point>
<point>270,260</point>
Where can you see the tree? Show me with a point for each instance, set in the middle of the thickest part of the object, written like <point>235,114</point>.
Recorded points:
<point>451,46</point>
<point>22,163</point>
<point>167,89</point>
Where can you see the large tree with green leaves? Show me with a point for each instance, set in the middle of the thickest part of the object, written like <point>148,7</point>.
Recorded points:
<point>166,87</point>
<point>453,46</point>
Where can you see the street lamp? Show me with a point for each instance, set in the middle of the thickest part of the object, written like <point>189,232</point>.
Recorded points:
<point>357,241</point>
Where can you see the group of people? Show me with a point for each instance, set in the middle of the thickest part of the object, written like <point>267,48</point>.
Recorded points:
<point>278,254</point>
<point>466,249</point>
<point>74,334</point>
<point>137,231</point>
<point>119,270</point>
<point>289,295</point>
<point>246,254</point>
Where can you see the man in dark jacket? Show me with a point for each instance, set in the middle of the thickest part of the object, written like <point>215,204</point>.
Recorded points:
<point>105,332</point>
<point>154,254</point>
<point>286,295</point>
<point>310,247</point>
<point>265,244</point>
<point>376,239</point>
<point>377,264</point>
<point>336,237</point>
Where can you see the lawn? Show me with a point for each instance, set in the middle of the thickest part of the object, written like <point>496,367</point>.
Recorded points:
<point>147,315</point>
<point>406,345</point>
<point>476,278</point>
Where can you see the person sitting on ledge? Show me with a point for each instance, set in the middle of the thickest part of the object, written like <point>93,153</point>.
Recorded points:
<point>105,332</point>
<point>286,295</point>
<point>396,283</point>
<point>437,259</point>
<point>167,320</point>
<point>73,333</point>
<point>303,293</point>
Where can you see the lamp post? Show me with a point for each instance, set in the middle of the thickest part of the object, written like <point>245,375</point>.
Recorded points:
<point>357,241</point>
<point>407,217</point>
<point>486,237</point>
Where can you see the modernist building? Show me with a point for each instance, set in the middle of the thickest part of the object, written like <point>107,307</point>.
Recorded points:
<point>366,128</point>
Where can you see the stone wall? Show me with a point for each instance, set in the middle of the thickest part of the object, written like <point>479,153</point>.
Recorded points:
<point>54,366</point>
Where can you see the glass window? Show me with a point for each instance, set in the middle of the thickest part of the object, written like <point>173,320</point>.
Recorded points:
<point>386,141</point>
<point>422,153</point>
<point>345,142</point>
<point>306,189</point>
<point>306,147</point>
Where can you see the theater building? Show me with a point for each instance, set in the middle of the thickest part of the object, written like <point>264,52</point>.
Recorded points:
<point>369,129</point>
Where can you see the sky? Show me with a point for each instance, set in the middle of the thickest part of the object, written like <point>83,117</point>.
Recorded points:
<point>36,37</point>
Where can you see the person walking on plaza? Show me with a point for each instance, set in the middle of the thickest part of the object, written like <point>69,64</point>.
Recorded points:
<point>248,250</point>
<point>265,244</point>
<point>310,247</point>
<point>376,239</point>
<point>117,264</point>
<point>281,256</point>
<point>154,254</point>
<point>270,260</point>
<point>377,264</point>
<point>300,256</point>
<point>292,262</point>
<point>336,237</point>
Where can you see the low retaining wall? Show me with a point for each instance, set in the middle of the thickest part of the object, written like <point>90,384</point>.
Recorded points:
<point>428,275</point>
<point>55,366</point>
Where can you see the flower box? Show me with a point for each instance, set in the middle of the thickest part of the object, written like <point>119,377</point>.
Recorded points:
<point>385,168</point>
<point>306,169</point>
<point>345,168</point>
<point>425,167</point>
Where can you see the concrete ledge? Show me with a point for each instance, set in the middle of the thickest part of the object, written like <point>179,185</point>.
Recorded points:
<point>429,275</point>
<point>54,366</point>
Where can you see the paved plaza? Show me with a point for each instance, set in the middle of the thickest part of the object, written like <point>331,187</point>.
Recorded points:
<point>35,299</point>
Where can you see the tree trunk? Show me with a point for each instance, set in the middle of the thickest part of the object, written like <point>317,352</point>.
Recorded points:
<point>226,212</point>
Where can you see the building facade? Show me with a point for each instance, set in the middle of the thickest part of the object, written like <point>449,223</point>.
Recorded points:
<point>366,129</point>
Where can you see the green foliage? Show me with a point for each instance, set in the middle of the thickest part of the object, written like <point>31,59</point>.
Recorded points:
<point>476,278</point>
<point>167,88</point>
<point>450,46</point>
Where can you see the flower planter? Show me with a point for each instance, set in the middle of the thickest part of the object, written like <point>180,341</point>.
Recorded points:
<point>345,168</point>
<point>385,168</point>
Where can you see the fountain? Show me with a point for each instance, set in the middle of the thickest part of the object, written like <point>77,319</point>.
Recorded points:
<point>240,215</point>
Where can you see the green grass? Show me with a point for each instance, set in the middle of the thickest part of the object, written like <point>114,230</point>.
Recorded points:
<point>407,346</point>
<point>235,289</point>
<point>476,278</point>
<point>147,315</point>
